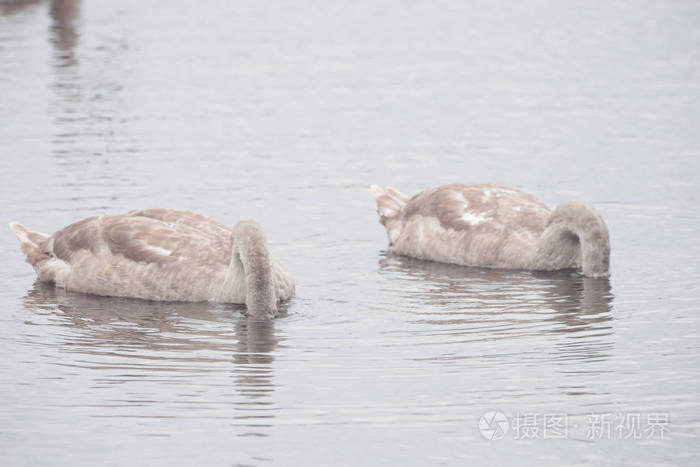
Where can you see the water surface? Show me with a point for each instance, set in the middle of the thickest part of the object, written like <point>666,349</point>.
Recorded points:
<point>286,113</point>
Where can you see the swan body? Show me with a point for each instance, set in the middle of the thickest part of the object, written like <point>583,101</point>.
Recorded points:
<point>494,226</point>
<point>162,254</point>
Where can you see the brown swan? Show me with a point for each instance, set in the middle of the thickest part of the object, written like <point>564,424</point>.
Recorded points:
<point>494,226</point>
<point>162,254</point>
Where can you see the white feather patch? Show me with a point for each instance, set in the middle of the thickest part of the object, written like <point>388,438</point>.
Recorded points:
<point>474,219</point>
<point>158,250</point>
<point>459,196</point>
<point>387,212</point>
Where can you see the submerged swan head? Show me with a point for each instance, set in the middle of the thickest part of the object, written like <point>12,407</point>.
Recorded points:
<point>249,247</point>
<point>575,230</point>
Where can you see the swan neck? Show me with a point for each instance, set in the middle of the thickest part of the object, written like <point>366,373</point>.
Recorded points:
<point>250,248</point>
<point>576,236</point>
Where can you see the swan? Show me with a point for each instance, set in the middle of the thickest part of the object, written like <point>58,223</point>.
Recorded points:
<point>494,226</point>
<point>162,254</point>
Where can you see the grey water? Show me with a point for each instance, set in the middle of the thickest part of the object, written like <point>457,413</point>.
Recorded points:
<point>286,112</point>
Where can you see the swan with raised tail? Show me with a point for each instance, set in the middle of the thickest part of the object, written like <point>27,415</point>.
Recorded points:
<point>162,254</point>
<point>494,226</point>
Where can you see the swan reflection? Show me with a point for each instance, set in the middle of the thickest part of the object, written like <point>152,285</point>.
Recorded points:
<point>491,304</point>
<point>253,375</point>
<point>111,322</point>
<point>10,7</point>
<point>64,34</point>
<point>191,343</point>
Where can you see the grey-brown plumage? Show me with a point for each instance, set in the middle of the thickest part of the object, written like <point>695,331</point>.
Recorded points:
<point>494,226</point>
<point>162,254</point>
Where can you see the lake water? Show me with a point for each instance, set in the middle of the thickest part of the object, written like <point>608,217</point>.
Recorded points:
<point>286,113</point>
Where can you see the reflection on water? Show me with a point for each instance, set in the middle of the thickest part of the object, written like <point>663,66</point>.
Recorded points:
<point>136,324</point>
<point>182,339</point>
<point>9,7</point>
<point>64,33</point>
<point>253,375</point>
<point>492,304</point>
<point>86,112</point>
<point>286,115</point>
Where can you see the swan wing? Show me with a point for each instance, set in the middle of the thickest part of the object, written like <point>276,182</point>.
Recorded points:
<point>479,208</point>
<point>145,239</point>
<point>205,226</point>
<point>142,256</point>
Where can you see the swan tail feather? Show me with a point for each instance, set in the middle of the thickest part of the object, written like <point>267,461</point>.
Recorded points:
<point>397,195</point>
<point>30,243</point>
<point>388,207</point>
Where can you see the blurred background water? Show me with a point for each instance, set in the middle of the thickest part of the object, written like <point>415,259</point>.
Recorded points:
<point>286,112</point>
